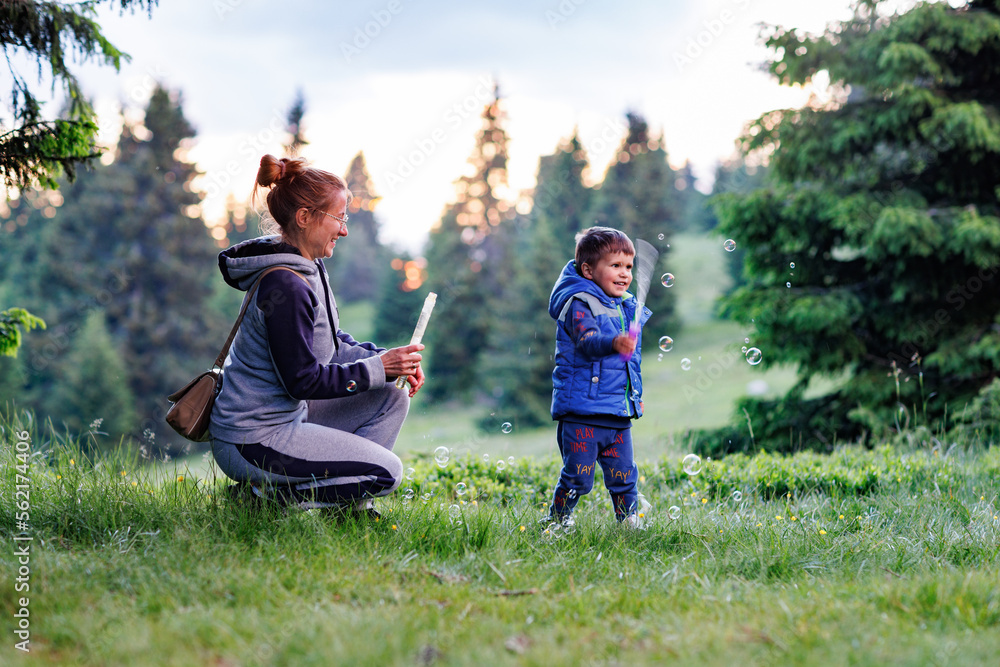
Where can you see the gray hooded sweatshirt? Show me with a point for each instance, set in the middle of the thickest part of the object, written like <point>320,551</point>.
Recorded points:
<point>289,348</point>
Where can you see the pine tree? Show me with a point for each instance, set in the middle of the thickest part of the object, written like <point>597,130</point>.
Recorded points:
<point>468,258</point>
<point>522,343</point>
<point>296,132</point>
<point>638,196</point>
<point>95,386</point>
<point>400,300</point>
<point>693,205</point>
<point>885,200</point>
<point>359,262</point>
<point>128,240</point>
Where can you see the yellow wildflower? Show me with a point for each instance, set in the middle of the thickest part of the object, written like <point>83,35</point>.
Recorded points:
<point>704,500</point>
<point>822,532</point>
<point>394,526</point>
<point>794,519</point>
<point>778,517</point>
<point>72,462</point>
<point>180,478</point>
<point>522,529</point>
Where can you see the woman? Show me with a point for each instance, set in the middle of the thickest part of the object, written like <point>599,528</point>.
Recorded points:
<point>306,413</point>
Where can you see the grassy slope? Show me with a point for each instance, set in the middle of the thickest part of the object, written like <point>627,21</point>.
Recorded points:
<point>871,558</point>
<point>128,569</point>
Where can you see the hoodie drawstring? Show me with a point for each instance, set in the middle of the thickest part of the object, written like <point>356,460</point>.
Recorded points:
<point>329,306</point>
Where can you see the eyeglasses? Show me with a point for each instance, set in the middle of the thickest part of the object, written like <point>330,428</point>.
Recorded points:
<point>342,221</point>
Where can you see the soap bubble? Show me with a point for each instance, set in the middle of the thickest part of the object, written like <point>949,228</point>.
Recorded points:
<point>729,245</point>
<point>674,512</point>
<point>746,340</point>
<point>659,357</point>
<point>685,364</point>
<point>667,279</point>
<point>506,427</point>
<point>460,488</point>
<point>409,473</point>
<point>486,458</point>
<point>659,236</point>
<point>753,356</point>
<point>692,464</point>
<point>501,464</point>
<point>441,456</point>
<point>791,265</point>
<point>744,349</point>
<point>737,496</point>
<point>571,493</point>
<point>510,460</point>
<point>352,386</point>
<point>408,495</point>
<point>788,284</point>
<point>666,343</point>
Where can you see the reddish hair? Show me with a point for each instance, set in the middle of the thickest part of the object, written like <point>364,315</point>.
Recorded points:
<point>292,184</point>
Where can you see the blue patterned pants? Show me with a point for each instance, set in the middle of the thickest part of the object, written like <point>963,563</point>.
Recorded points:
<point>582,446</point>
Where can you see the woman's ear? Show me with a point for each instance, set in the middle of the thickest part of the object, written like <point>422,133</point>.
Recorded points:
<point>302,218</point>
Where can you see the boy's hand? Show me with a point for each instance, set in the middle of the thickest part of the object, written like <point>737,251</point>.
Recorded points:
<point>624,345</point>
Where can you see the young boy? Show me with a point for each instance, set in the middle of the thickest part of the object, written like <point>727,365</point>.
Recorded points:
<point>596,384</point>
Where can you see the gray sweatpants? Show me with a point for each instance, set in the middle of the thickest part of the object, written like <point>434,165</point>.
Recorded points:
<point>341,452</point>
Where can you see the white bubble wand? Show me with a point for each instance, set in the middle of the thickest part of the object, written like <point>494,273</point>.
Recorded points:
<point>418,331</point>
<point>645,260</point>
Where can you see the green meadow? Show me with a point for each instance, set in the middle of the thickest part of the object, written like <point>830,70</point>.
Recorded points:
<point>887,555</point>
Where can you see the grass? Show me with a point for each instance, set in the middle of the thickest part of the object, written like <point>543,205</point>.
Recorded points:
<point>863,557</point>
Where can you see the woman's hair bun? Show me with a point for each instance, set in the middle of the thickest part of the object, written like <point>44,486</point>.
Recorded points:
<point>273,170</point>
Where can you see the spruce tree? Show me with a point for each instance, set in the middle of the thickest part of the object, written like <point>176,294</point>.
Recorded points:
<point>127,239</point>
<point>400,300</point>
<point>295,129</point>
<point>94,386</point>
<point>358,264</point>
<point>885,199</point>
<point>468,260</point>
<point>35,150</point>
<point>638,196</point>
<point>518,367</point>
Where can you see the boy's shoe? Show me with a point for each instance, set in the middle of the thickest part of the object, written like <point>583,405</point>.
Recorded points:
<point>563,521</point>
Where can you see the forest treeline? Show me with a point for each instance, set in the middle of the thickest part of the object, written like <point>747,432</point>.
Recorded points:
<point>868,251</point>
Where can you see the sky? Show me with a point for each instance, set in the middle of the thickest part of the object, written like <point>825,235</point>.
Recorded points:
<point>405,83</point>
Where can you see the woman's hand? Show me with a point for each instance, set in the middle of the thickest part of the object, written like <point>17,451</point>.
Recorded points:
<point>404,362</point>
<point>416,381</point>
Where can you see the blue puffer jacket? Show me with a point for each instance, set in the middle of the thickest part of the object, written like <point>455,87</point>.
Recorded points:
<point>598,382</point>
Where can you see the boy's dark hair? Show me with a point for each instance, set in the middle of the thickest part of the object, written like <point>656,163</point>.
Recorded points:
<point>596,242</point>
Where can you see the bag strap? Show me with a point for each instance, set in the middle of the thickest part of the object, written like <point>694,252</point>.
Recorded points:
<point>221,359</point>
